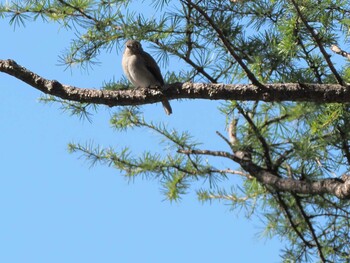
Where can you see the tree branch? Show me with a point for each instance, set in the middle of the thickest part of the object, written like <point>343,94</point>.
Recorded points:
<point>188,60</point>
<point>344,144</point>
<point>259,136</point>
<point>227,44</point>
<point>318,41</point>
<point>246,92</point>
<point>212,153</point>
<point>311,227</point>
<point>80,11</point>
<point>334,186</point>
<point>289,216</point>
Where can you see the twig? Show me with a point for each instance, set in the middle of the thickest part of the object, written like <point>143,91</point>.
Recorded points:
<point>282,158</point>
<point>79,11</point>
<point>227,44</point>
<point>230,197</point>
<point>277,119</point>
<point>319,44</point>
<point>310,226</point>
<point>289,216</point>
<point>188,60</point>
<point>212,153</point>
<point>257,133</point>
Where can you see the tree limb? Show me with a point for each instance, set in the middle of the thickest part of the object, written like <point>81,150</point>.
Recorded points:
<point>334,186</point>
<point>246,92</point>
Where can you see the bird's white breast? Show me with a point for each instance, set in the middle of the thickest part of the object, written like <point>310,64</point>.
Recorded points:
<point>139,75</point>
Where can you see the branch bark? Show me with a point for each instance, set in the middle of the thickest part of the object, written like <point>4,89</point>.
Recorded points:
<point>320,93</point>
<point>333,186</point>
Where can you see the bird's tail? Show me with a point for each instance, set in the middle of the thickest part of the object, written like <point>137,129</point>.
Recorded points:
<point>167,107</point>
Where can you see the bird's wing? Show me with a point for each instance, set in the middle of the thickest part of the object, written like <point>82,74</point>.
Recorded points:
<point>152,66</point>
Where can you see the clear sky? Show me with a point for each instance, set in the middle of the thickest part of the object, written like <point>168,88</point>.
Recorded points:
<point>56,208</point>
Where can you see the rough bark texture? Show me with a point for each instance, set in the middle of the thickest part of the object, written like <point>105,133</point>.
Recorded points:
<point>271,92</point>
<point>334,186</point>
<point>339,187</point>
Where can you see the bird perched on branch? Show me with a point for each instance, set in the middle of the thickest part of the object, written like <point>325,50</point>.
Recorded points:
<point>142,70</point>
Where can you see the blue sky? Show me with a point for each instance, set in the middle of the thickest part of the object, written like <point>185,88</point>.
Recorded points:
<point>56,208</point>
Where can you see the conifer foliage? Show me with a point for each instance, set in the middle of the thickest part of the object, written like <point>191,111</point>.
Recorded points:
<point>281,68</point>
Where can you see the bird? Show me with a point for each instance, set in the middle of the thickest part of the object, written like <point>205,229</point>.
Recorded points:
<point>142,70</point>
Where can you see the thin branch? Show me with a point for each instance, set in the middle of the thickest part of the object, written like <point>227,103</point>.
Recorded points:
<point>273,120</point>
<point>189,30</point>
<point>232,132</point>
<point>319,44</point>
<point>310,226</point>
<point>344,144</point>
<point>186,171</point>
<point>227,44</point>
<point>289,216</point>
<point>225,140</point>
<point>188,60</point>
<point>336,206</point>
<point>257,133</point>
<point>230,197</point>
<point>211,153</point>
<point>282,158</point>
<point>79,11</point>
<point>230,171</point>
<point>310,61</point>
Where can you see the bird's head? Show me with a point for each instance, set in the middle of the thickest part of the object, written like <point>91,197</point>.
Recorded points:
<point>133,46</point>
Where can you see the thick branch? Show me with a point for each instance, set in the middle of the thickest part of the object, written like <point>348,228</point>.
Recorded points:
<point>337,187</point>
<point>275,92</point>
<point>333,186</point>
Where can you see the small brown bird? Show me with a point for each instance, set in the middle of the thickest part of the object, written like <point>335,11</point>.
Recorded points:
<point>142,70</point>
